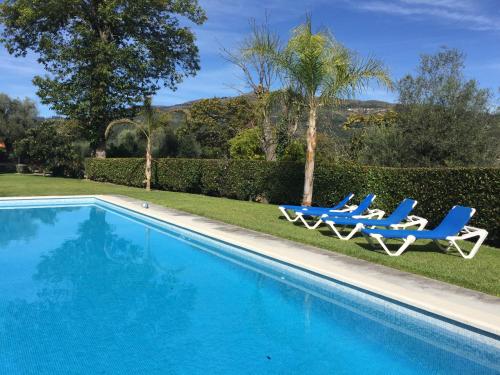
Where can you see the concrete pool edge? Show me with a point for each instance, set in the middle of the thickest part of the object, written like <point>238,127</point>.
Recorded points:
<point>468,307</point>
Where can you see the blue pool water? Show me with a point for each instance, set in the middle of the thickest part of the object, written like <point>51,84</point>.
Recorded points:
<point>89,288</point>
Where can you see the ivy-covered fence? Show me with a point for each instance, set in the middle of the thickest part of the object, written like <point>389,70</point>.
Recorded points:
<point>436,189</point>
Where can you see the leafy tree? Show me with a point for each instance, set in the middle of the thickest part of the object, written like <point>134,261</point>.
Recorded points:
<point>188,147</point>
<point>146,124</point>
<point>295,151</point>
<point>16,117</point>
<point>287,108</point>
<point>331,149</point>
<point>46,148</point>
<point>323,71</point>
<point>442,120</point>
<point>445,119</point>
<point>213,122</point>
<point>165,143</point>
<point>103,56</point>
<point>246,145</point>
<point>256,58</point>
<point>125,142</point>
<point>366,129</point>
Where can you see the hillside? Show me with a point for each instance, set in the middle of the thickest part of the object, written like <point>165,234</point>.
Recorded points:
<point>349,106</point>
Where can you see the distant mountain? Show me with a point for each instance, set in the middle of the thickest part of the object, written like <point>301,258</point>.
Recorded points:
<point>356,106</point>
<point>330,120</point>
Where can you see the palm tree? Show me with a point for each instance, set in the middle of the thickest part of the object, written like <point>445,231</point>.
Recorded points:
<point>146,124</point>
<point>322,71</point>
<point>255,57</point>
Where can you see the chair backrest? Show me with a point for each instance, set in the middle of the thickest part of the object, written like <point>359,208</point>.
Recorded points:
<point>343,202</point>
<point>402,210</point>
<point>364,204</point>
<point>455,220</point>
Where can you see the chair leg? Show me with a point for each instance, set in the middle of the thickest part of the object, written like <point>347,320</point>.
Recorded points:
<point>287,216</point>
<point>355,230</point>
<point>307,225</point>
<point>368,239</point>
<point>444,249</point>
<point>407,242</point>
<point>481,237</point>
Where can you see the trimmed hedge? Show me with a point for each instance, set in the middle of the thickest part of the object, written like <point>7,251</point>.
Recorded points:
<point>7,168</point>
<point>436,189</point>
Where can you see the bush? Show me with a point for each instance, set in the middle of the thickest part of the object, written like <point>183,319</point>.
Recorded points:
<point>177,175</point>
<point>436,189</point>
<point>46,149</point>
<point>247,145</point>
<point>7,167</point>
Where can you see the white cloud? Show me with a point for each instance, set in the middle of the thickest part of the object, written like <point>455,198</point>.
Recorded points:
<point>452,4</point>
<point>463,13</point>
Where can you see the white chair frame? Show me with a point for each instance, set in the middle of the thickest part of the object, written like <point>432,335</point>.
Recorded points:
<point>466,233</point>
<point>371,214</point>
<point>410,221</point>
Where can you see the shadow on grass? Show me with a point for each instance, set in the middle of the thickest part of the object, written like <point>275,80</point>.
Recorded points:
<point>393,244</point>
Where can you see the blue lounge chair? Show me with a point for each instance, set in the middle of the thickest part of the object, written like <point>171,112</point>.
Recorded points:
<point>361,211</point>
<point>399,219</point>
<point>342,206</point>
<point>452,228</point>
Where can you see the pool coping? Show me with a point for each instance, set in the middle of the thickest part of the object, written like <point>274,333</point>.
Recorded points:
<point>472,308</point>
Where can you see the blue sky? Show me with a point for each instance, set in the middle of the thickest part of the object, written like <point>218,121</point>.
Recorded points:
<point>395,31</point>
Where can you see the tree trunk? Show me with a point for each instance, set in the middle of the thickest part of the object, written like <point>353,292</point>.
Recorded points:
<point>148,165</point>
<point>100,151</point>
<point>311,149</point>
<point>269,142</point>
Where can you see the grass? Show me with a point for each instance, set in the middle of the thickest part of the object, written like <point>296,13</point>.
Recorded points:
<point>480,273</point>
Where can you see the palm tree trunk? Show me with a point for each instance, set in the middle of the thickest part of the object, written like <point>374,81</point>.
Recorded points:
<point>148,165</point>
<point>311,150</point>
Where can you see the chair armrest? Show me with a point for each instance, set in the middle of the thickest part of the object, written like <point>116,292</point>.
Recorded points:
<point>469,232</point>
<point>411,221</point>
<point>376,213</point>
<point>346,208</point>
<point>466,233</point>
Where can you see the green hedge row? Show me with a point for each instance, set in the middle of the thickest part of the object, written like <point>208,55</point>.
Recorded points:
<point>7,168</point>
<point>436,189</point>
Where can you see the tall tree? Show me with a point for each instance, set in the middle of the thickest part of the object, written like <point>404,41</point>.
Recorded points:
<point>256,58</point>
<point>102,56</point>
<point>324,72</point>
<point>443,120</point>
<point>213,122</point>
<point>16,117</point>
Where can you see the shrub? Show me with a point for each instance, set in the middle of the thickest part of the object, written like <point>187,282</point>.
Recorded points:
<point>247,145</point>
<point>48,150</point>
<point>436,189</point>
<point>125,171</point>
<point>177,175</point>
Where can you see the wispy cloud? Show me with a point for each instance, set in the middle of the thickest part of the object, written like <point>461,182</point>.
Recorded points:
<point>20,66</point>
<point>452,4</point>
<point>464,13</point>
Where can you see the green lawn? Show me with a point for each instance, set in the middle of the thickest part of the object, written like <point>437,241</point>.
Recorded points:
<point>480,273</point>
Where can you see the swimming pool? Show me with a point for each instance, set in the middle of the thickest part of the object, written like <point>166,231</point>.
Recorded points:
<point>91,288</point>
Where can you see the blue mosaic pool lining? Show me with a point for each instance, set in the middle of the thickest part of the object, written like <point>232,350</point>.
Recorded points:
<point>437,331</point>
